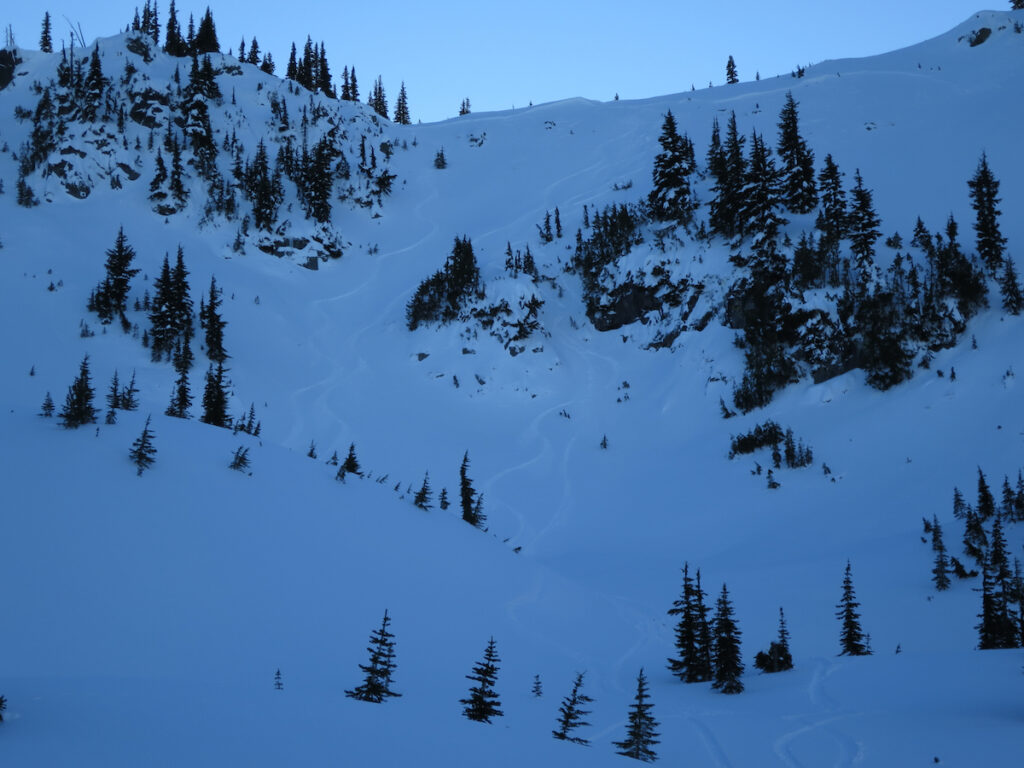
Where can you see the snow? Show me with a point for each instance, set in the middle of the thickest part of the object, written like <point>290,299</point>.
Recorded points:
<point>144,617</point>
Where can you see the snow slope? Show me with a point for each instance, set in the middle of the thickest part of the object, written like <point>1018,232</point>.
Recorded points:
<point>145,616</point>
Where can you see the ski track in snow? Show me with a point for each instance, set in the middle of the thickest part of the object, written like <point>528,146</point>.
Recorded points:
<point>849,752</point>
<point>710,742</point>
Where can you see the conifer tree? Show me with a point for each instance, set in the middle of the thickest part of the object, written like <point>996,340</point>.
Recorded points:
<point>832,218</point>
<point>206,36</point>
<point>726,647</point>
<point>730,171</point>
<point>442,499</point>
<point>482,703</point>
<point>78,408</point>
<point>467,495</point>
<point>143,453</point>
<point>351,463</point>
<point>464,107</point>
<point>798,186</point>
<point>536,689</point>
<point>984,190</point>
<point>731,76</point>
<point>111,296</point>
<point>940,570</point>
<point>641,735</point>
<point>376,685</point>
<point>851,637</point>
<point>174,43</point>
<point>863,232</point>
<point>240,459</point>
<point>986,502</point>
<point>278,682</point>
<point>181,397</point>
<point>3,706</point>
<point>45,37</point>
<point>129,401</point>
<point>212,323</point>
<point>215,398</point>
<point>975,541</point>
<point>759,214</point>
<point>402,107</point>
<point>998,627</point>
<point>48,407</point>
<point>778,657</point>
<point>378,101</point>
<point>1009,288</point>
<point>423,495</point>
<point>571,713</point>
<point>671,198</point>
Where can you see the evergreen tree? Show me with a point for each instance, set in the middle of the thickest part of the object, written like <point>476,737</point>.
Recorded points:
<point>402,108</point>
<point>984,189</point>
<point>181,398</point>
<point>78,408</point>
<point>94,86</point>
<point>174,43</point>
<point>571,713</point>
<point>467,495</point>
<point>424,494</point>
<point>212,323</point>
<point>351,463</point>
<point>206,36</point>
<point>940,571</point>
<point>641,735</point>
<point>464,107</point>
<point>975,540</point>
<point>442,499</point>
<point>759,211</point>
<point>48,407</point>
<point>45,38</point>
<point>726,647</point>
<point>278,682</point>
<point>376,685</point>
<point>798,186</point>
<point>986,501</point>
<point>240,461</point>
<point>851,637</point>
<point>215,398</point>
<point>832,221</point>
<point>378,101</point>
<point>1009,288</point>
<point>729,170</point>
<point>440,161</point>
<point>111,297</point>
<point>731,76</point>
<point>536,689</point>
<point>482,703</point>
<point>863,232</point>
<point>142,453</point>
<point>998,627</point>
<point>671,198</point>
<point>778,657</point>
<point>3,706</point>
<point>129,401</point>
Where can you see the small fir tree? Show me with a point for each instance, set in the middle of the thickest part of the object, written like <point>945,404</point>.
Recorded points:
<point>78,408</point>
<point>215,398</point>
<point>984,192</point>
<point>641,735</point>
<point>351,463</point>
<point>143,452</point>
<point>778,657</point>
<point>376,685</point>
<point>731,76</point>
<point>424,494</point>
<point>851,638</point>
<point>467,494</point>
<point>240,459</point>
<point>47,408</point>
<point>537,689</point>
<point>726,647</point>
<point>482,703</point>
<point>45,37</point>
<point>571,713</point>
<point>278,682</point>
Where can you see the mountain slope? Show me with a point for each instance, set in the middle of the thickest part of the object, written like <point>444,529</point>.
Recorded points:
<point>147,615</point>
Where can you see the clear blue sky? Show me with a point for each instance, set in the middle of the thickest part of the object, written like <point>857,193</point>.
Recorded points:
<point>503,55</point>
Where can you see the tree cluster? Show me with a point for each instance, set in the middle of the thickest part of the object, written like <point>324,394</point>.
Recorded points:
<point>441,297</point>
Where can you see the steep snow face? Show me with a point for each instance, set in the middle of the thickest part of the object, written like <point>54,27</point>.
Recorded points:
<point>145,616</point>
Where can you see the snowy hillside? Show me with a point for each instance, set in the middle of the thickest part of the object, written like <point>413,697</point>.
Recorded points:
<point>145,615</point>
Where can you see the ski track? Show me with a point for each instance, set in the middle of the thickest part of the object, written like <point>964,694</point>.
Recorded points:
<point>849,751</point>
<point>711,743</point>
